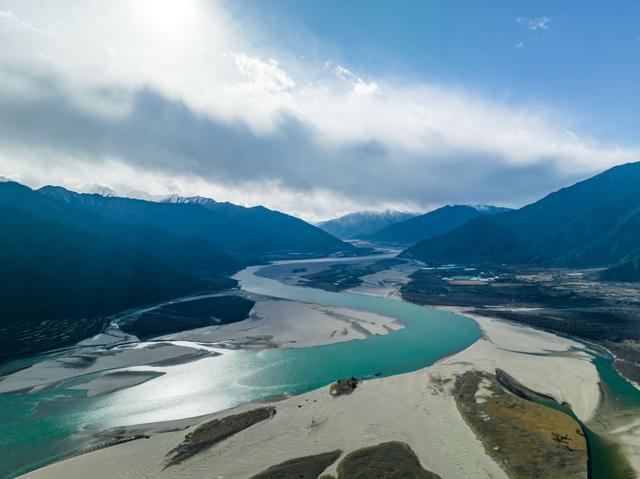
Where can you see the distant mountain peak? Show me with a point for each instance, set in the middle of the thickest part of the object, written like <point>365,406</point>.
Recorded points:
<point>98,189</point>
<point>430,224</point>
<point>199,200</point>
<point>362,222</point>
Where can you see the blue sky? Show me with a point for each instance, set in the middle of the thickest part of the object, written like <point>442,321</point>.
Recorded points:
<point>586,60</point>
<point>319,108</point>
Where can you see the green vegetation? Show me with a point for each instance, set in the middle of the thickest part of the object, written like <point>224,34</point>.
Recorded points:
<point>190,314</point>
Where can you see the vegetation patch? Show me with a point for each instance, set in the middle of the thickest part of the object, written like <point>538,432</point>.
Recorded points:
<point>525,438</point>
<point>187,315</point>
<point>307,467</point>
<point>339,277</point>
<point>389,460</point>
<point>212,432</point>
<point>567,301</point>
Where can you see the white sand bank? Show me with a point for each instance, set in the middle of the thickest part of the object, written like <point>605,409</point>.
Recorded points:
<point>539,360</point>
<point>111,382</point>
<point>282,323</point>
<point>411,408</point>
<point>386,283</point>
<point>416,408</point>
<point>54,372</point>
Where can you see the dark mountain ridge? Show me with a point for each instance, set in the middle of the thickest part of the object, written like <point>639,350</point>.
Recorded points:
<point>181,252</point>
<point>628,271</point>
<point>250,234</point>
<point>69,260</point>
<point>592,223</point>
<point>59,282</point>
<point>430,224</point>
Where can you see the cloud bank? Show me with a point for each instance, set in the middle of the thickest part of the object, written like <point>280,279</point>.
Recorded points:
<point>169,96</point>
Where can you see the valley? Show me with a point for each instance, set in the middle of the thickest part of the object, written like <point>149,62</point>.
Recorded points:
<point>273,327</point>
<point>530,357</point>
<point>319,239</point>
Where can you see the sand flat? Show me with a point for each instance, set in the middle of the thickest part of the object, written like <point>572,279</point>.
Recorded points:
<point>115,381</point>
<point>411,408</point>
<point>293,324</point>
<point>539,360</point>
<point>55,372</point>
<point>417,408</point>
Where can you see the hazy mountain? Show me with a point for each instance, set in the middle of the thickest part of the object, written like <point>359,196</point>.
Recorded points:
<point>428,225</point>
<point>363,222</point>
<point>247,233</point>
<point>58,282</point>
<point>594,222</point>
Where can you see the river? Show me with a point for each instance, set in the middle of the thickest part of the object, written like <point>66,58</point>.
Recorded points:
<point>42,427</point>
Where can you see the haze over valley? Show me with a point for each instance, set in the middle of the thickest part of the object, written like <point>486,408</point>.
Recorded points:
<point>323,240</point>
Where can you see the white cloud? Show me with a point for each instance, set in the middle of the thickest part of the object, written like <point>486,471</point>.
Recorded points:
<point>341,72</point>
<point>8,15</point>
<point>263,77</point>
<point>231,118</point>
<point>535,24</point>
<point>360,87</point>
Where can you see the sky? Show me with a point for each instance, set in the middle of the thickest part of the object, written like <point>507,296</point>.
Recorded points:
<point>319,108</point>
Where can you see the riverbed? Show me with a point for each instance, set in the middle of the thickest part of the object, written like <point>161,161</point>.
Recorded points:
<point>43,426</point>
<point>46,425</point>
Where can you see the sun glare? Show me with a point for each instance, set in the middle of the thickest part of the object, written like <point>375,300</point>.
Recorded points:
<point>167,18</point>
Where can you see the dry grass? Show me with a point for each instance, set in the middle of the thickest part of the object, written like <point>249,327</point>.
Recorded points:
<point>527,439</point>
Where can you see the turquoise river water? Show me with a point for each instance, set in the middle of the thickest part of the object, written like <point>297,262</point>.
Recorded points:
<point>36,429</point>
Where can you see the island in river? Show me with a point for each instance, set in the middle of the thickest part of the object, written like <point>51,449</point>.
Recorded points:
<point>418,407</point>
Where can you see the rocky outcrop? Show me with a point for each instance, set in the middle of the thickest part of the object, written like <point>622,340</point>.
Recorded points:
<point>343,386</point>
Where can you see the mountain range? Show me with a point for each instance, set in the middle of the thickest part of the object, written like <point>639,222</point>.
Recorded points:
<point>69,259</point>
<point>430,224</point>
<point>592,223</point>
<point>361,223</point>
<point>248,234</point>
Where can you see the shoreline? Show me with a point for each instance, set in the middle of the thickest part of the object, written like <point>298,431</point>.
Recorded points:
<point>282,323</point>
<point>443,370</point>
<point>476,356</point>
